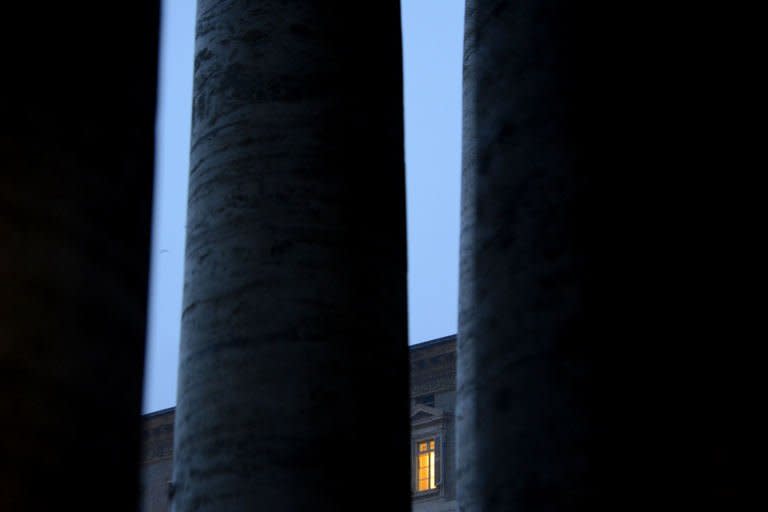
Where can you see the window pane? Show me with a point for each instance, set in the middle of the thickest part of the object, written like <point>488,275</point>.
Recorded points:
<point>432,469</point>
<point>427,465</point>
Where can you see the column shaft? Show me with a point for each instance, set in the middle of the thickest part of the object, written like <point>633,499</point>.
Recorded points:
<point>525,368</point>
<point>293,367</point>
<point>76,166</point>
<point>599,363</point>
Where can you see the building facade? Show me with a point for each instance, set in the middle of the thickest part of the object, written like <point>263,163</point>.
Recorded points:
<point>433,439</point>
<point>433,399</point>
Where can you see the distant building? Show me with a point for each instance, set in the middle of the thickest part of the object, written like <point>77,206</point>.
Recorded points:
<point>156,460</point>
<point>433,399</point>
<point>433,439</point>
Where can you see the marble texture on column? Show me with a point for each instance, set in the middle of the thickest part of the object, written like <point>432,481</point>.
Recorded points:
<point>293,386</point>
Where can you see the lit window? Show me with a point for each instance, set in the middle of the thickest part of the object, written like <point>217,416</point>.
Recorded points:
<point>426,465</point>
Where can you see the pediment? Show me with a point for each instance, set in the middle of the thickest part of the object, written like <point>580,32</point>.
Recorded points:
<point>424,413</point>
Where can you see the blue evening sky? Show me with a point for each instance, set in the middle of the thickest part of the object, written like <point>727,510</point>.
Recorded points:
<point>432,58</point>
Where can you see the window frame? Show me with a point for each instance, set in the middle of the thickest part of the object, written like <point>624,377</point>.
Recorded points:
<point>438,438</point>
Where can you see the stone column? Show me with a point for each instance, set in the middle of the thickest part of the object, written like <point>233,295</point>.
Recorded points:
<point>293,366</point>
<point>525,371</point>
<point>601,345</point>
<point>76,167</point>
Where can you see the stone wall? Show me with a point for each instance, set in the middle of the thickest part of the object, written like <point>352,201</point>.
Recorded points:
<point>156,460</point>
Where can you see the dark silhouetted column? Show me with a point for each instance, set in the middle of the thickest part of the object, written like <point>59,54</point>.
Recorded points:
<point>76,159</point>
<point>597,361</point>
<point>293,371</point>
<point>525,365</point>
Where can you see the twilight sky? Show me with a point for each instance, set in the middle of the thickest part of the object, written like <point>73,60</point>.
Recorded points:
<point>432,57</point>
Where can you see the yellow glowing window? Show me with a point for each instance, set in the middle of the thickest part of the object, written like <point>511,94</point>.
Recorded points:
<point>426,465</point>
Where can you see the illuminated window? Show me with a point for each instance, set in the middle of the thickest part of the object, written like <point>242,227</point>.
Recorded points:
<point>426,465</point>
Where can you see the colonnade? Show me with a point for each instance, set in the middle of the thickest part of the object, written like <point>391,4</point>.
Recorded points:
<point>293,384</point>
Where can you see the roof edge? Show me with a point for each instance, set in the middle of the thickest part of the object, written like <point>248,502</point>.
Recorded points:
<point>436,341</point>
<point>159,413</point>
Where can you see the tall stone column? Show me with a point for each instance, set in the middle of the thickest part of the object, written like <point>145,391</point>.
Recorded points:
<point>527,333</point>
<point>76,167</point>
<point>600,363</point>
<point>293,367</point>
